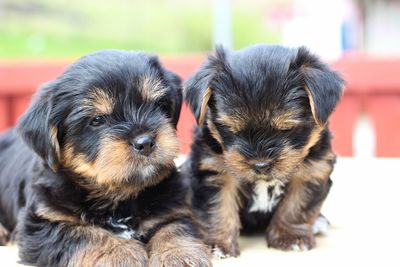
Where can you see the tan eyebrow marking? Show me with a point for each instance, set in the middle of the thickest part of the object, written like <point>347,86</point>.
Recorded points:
<point>101,101</point>
<point>285,120</point>
<point>151,89</point>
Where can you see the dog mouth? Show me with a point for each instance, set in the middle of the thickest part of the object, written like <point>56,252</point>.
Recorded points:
<point>264,170</point>
<point>266,176</point>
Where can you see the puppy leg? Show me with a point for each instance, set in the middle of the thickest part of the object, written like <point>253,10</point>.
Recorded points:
<point>291,227</point>
<point>223,222</point>
<point>46,243</point>
<point>174,244</point>
<point>4,235</point>
<point>107,250</point>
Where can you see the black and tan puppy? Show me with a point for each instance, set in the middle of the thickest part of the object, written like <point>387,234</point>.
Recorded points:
<point>92,181</point>
<point>261,157</point>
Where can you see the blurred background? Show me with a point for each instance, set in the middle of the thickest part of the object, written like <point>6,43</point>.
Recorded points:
<point>359,38</point>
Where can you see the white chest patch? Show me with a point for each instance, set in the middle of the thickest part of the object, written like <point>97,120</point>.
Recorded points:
<point>122,229</point>
<point>266,195</point>
<point>147,171</point>
<point>127,234</point>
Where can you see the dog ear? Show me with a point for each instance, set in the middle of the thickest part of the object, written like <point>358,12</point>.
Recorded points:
<point>324,86</point>
<point>38,131</point>
<point>176,85</point>
<point>198,89</point>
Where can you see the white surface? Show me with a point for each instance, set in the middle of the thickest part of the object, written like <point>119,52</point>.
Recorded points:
<point>363,208</point>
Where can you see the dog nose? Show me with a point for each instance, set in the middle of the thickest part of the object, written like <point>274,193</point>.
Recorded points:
<point>144,144</point>
<point>261,167</point>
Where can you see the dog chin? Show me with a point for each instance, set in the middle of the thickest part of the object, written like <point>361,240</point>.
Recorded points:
<point>148,171</point>
<point>269,177</point>
<point>149,175</point>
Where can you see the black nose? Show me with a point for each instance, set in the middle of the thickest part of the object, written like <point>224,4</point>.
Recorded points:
<point>261,167</point>
<point>144,144</point>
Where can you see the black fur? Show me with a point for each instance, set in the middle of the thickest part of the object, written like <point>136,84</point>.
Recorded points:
<point>253,89</point>
<point>34,173</point>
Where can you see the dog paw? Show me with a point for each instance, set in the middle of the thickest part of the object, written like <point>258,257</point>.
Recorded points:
<point>195,256</point>
<point>292,243</point>
<point>4,235</point>
<point>112,252</point>
<point>321,226</point>
<point>297,240</point>
<point>222,250</point>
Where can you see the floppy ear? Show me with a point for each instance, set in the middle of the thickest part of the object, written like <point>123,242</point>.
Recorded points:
<point>198,89</point>
<point>176,85</point>
<point>324,86</point>
<point>37,130</point>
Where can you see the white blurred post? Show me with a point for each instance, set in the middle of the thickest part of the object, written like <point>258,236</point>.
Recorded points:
<point>222,23</point>
<point>364,138</point>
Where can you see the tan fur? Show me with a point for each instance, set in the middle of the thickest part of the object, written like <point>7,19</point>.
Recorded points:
<point>151,89</point>
<point>234,124</point>
<point>104,249</point>
<point>287,162</point>
<point>116,161</point>
<point>212,163</point>
<point>167,140</point>
<point>223,229</point>
<point>312,105</point>
<point>214,132</point>
<point>56,216</point>
<point>284,165</point>
<point>171,247</point>
<point>101,184</point>
<point>111,166</point>
<point>284,235</point>
<point>102,102</point>
<point>318,169</point>
<point>312,140</point>
<point>310,171</point>
<point>55,144</point>
<point>291,224</point>
<point>175,214</point>
<point>74,160</point>
<point>283,120</point>
<point>4,235</point>
<point>286,120</point>
<point>236,162</point>
<point>203,107</point>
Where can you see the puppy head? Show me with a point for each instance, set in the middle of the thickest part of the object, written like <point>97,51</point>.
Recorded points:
<point>110,118</point>
<point>265,105</point>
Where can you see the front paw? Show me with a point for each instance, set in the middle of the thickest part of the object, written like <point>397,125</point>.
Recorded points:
<point>183,254</point>
<point>4,235</point>
<point>225,249</point>
<point>290,240</point>
<point>110,253</point>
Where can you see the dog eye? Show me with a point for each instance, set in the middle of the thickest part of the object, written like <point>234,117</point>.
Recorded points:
<point>97,121</point>
<point>286,128</point>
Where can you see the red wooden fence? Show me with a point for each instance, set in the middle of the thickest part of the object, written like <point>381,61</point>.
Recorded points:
<point>373,86</point>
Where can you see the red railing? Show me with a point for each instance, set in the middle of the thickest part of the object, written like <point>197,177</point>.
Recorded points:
<point>372,86</point>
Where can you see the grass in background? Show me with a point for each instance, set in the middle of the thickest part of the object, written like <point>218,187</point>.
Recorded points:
<point>69,28</point>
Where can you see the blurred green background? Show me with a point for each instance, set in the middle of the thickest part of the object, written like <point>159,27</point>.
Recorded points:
<point>69,28</point>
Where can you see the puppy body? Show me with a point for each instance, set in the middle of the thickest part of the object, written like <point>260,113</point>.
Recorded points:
<point>94,182</point>
<point>261,156</point>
